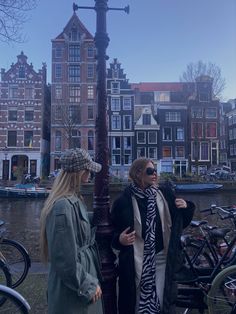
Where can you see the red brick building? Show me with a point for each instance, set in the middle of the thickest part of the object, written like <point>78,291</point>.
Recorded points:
<point>23,105</point>
<point>73,90</point>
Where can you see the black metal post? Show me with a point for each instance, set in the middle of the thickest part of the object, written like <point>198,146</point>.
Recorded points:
<point>101,190</point>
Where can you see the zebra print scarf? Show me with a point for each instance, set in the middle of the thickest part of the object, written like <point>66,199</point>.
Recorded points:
<point>149,301</point>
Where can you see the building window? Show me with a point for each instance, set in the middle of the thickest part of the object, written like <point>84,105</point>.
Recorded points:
<point>74,93</point>
<point>127,122</point>
<point>28,138</point>
<point>141,152</point>
<point>141,137</point>
<point>179,151</point>
<point>12,115</point>
<point>90,92</point>
<point>115,122</point>
<point>90,140</point>
<point>196,112</point>
<point>90,112</point>
<point>146,119</point>
<point>116,143</point>
<point>152,153</point>
<point>203,97</point>
<point>58,71</point>
<point>116,159</point>
<point>58,113</point>
<point>74,73</point>
<point>161,96</point>
<point>58,141</point>
<point>173,116</point>
<point>76,138</point>
<point>179,134</point>
<point>58,52</point>
<point>166,151</point>
<point>127,159</point>
<point>167,166</point>
<point>90,52</point>
<point>58,92</point>
<point>204,148</point>
<point>13,91</point>
<point>74,34</point>
<point>196,130</point>
<point>115,104</point>
<point>29,115</point>
<point>74,53</point>
<point>152,137</point>
<point>115,87</point>
<point>90,71</point>
<point>29,93</point>
<point>127,142</point>
<point>127,103</point>
<point>211,113</point>
<point>74,114</point>
<point>21,72</point>
<point>211,129</point>
<point>11,138</point>
<point>167,134</point>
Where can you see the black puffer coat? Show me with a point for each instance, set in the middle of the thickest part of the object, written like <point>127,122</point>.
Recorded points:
<point>122,218</point>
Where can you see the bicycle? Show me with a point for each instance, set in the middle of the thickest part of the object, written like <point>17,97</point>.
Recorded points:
<point>13,301</point>
<point>221,298</point>
<point>16,257</point>
<point>206,249</point>
<point>193,291</point>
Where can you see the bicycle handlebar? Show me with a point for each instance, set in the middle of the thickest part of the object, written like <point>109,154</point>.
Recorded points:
<point>229,211</point>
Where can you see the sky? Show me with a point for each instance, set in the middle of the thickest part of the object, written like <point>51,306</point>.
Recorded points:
<point>154,43</point>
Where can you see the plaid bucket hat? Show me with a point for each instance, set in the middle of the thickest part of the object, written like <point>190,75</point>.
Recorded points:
<point>75,160</point>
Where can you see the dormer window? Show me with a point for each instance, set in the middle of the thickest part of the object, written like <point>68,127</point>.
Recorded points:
<point>21,72</point>
<point>74,35</point>
<point>146,119</point>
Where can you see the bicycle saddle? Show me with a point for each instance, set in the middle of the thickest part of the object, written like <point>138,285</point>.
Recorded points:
<point>219,233</point>
<point>197,223</point>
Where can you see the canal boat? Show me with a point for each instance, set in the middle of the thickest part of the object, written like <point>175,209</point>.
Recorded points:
<point>23,191</point>
<point>197,187</point>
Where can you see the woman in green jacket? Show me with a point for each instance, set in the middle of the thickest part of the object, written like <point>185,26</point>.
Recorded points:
<point>68,242</point>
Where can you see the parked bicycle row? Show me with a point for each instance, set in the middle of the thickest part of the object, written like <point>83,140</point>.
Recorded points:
<point>208,278</point>
<point>14,266</point>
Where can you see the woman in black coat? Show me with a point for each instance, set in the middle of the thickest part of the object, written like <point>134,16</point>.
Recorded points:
<point>148,221</point>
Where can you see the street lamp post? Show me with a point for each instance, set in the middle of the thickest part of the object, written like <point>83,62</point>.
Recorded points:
<point>101,190</point>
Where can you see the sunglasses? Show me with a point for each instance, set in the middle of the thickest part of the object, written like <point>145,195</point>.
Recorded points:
<point>150,171</point>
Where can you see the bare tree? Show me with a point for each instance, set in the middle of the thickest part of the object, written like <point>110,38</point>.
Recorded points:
<point>69,121</point>
<point>199,68</point>
<point>13,14</point>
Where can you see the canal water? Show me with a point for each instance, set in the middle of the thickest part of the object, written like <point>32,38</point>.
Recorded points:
<point>22,216</point>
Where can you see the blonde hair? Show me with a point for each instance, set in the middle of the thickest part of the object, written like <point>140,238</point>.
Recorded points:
<point>136,170</point>
<point>65,184</point>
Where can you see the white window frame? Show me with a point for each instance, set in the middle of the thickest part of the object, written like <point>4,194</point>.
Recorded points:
<point>138,134</point>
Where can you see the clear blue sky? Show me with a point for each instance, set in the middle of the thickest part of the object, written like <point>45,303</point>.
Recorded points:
<point>154,43</point>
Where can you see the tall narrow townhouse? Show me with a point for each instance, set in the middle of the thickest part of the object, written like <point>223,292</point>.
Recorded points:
<point>73,90</point>
<point>121,115</point>
<point>164,123</point>
<point>24,102</point>
<point>231,123</point>
<point>204,126</point>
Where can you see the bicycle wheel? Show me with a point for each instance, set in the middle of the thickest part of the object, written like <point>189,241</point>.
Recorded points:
<point>5,278</point>
<point>197,258</point>
<point>17,259</point>
<point>222,295</point>
<point>14,302</point>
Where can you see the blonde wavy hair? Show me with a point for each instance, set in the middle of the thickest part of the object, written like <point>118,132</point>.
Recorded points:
<point>65,184</point>
<point>136,170</point>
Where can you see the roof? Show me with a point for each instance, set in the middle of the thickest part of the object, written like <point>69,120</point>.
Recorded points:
<point>154,86</point>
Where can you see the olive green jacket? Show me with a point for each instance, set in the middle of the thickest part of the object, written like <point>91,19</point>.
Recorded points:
<point>74,265</point>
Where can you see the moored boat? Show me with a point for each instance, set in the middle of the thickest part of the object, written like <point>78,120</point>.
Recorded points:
<point>197,187</point>
<point>23,191</point>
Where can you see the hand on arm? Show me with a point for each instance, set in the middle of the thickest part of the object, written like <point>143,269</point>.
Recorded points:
<point>97,295</point>
<point>180,203</point>
<point>126,237</point>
